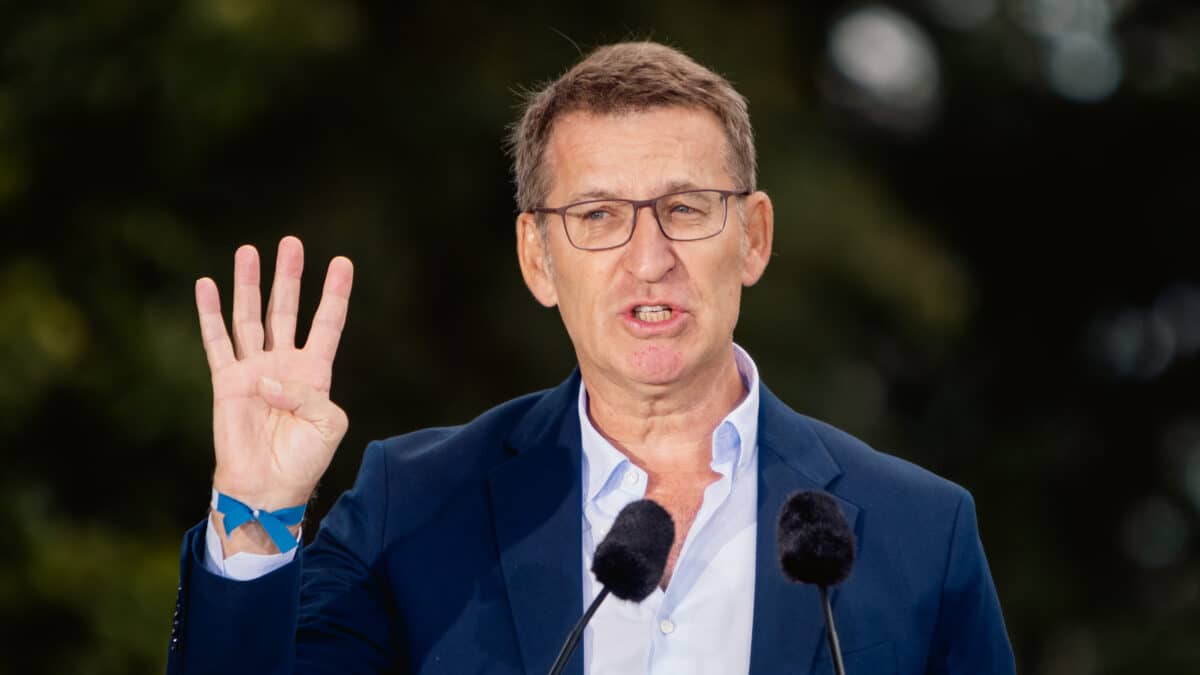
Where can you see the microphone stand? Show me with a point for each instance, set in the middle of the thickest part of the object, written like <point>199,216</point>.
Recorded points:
<point>835,650</point>
<point>577,632</point>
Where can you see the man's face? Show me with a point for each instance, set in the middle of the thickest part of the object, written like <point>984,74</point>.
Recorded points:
<point>602,295</point>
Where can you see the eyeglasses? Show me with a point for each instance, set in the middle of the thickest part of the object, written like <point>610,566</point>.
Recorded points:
<point>690,215</point>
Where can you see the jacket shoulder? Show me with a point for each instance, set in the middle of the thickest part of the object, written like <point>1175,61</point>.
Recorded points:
<point>873,475</point>
<point>424,469</point>
<point>437,444</point>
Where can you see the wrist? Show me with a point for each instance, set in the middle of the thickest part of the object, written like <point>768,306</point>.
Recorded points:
<point>249,538</point>
<point>244,528</point>
<point>259,498</point>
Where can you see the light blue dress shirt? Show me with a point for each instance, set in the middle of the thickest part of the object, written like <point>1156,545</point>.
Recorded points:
<point>702,623</point>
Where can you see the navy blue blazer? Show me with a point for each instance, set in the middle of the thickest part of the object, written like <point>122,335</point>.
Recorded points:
<point>458,551</point>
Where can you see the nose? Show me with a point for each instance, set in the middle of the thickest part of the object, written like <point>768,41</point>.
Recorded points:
<point>649,256</point>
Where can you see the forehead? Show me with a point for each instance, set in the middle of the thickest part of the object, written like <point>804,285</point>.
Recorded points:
<point>636,155</point>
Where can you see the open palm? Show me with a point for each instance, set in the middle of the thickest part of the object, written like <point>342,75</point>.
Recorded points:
<point>274,428</point>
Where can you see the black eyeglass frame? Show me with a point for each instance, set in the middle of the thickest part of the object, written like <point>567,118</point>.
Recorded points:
<point>637,206</point>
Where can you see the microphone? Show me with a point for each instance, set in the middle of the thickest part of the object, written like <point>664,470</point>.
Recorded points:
<point>629,563</point>
<point>816,547</point>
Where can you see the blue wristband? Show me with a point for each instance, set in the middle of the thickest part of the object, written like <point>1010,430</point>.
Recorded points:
<point>276,523</point>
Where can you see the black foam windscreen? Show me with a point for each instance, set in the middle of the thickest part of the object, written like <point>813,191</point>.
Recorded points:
<point>631,559</point>
<point>816,545</point>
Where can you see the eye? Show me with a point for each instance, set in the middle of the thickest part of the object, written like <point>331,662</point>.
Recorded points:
<point>596,214</point>
<point>686,208</point>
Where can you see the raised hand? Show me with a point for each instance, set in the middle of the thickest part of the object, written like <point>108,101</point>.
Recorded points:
<point>274,428</point>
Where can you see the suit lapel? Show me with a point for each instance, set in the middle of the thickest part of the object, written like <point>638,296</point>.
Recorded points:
<point>537,516</point>
<point>788,624</point>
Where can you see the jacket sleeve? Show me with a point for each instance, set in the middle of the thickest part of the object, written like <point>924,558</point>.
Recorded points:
<point>970,636</point>
<point>327,611</point>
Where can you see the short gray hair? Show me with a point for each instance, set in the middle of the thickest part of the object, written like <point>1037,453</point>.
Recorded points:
<point>625,77</point>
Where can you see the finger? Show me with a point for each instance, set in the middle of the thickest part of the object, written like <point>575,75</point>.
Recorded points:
<point>308,403</point>
<point>285,294</point>
<point>331,313</point>
<point>217,347</point>
<point>247,303</point>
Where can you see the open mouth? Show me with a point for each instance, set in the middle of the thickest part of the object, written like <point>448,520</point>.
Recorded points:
<point>652,313</point>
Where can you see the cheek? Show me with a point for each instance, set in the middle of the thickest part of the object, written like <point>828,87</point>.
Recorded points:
<point>578,301</point>
<point>727,285</point>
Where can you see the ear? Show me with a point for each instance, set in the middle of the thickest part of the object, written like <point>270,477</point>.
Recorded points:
<point>759,233</point>
<point>535,261</point>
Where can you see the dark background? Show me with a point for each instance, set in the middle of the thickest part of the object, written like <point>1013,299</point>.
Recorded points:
<point>985,263</point>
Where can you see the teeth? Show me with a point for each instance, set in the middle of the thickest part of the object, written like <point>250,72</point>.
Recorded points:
<point>652,313</point>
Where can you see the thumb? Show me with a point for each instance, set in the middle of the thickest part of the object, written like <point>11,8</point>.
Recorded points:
<point>305,402</point>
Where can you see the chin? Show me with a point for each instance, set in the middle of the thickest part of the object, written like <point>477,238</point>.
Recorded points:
<point>655,363</point>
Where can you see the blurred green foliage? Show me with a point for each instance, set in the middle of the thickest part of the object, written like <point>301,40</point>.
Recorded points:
<point>933,292</point>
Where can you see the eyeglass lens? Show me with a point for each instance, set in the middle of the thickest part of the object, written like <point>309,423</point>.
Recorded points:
<point>683,216</point>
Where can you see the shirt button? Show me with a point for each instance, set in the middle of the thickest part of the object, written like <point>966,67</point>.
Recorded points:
<point>666,626</point>
<point>631,477</point>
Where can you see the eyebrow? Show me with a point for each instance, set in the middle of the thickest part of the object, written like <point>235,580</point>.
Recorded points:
<point>673,186</point>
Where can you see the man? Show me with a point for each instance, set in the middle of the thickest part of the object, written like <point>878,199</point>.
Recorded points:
<point>467,549</point>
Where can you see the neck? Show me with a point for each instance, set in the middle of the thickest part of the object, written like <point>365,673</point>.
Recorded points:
<point>666,429</point>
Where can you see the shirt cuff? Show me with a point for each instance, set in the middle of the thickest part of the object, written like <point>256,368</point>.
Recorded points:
<point>242,566</point>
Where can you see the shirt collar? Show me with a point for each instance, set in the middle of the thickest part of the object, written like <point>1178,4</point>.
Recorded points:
<point>735,439</point>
